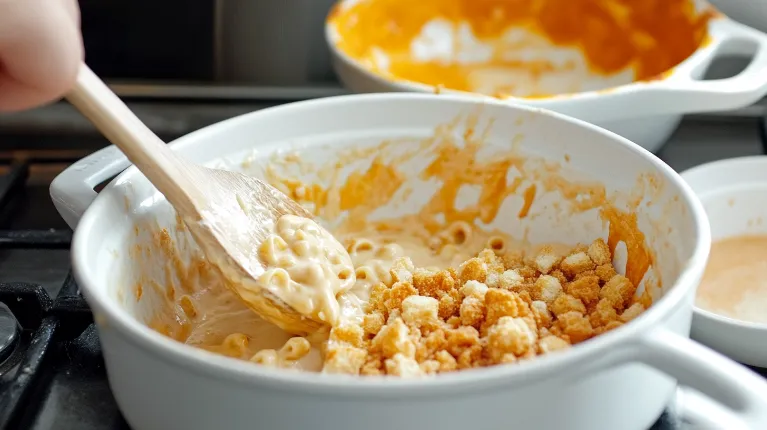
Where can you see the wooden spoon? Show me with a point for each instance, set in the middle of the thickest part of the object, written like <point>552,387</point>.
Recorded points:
<point>229,214</point>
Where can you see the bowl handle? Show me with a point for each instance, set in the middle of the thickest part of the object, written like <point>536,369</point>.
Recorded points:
<point>72,191</point>
<point>748,86</point>
<point>682,91</point>
<point>730,386</point>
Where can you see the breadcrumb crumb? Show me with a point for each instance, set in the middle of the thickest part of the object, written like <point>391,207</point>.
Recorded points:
<point>497,308</point>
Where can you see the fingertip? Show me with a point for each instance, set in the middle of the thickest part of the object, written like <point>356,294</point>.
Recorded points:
<point>40,64</point>
<point>71,56</point>
<point>70,69</point>
<point>16,96</point>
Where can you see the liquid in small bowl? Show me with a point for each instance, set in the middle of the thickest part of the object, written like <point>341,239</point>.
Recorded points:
<point>735,282</point>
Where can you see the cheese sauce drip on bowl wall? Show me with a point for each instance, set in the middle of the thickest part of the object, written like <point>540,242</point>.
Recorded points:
<point>198,311</point>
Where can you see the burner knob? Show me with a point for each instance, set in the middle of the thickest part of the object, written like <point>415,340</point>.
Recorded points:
<point>9,332</point>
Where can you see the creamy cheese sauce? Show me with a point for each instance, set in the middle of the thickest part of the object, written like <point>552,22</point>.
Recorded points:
<point>211,317</point>
<point>306,268</point>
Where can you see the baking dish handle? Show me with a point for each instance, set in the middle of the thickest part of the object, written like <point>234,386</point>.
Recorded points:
<point>746,87</point>
<point>733,387</point>
<point>682,92</point>
<point>72,191</point>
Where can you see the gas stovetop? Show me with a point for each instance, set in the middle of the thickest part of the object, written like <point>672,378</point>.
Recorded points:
<point>52,373</point>
<point>51,370</point>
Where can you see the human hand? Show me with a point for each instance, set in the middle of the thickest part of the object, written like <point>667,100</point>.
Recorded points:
<point>40,51</point>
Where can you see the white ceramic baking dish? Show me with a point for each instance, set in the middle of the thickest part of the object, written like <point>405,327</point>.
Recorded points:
<point>622,379</point>
<point>645,112</point>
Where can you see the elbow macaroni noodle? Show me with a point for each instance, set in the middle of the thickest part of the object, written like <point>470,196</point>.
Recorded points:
<point>305,268</point>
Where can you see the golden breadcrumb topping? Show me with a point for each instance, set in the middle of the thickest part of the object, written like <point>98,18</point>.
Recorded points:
<point>490,310</point>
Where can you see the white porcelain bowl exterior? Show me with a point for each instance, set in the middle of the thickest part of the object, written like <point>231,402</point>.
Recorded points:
<point>622,379</point>
<point>646,113</point>
<point>733,193</point>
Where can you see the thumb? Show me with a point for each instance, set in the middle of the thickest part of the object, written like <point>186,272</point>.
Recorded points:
<point>40,51</point>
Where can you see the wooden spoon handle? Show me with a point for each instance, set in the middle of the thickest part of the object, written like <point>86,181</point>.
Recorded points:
<point>91,96</point>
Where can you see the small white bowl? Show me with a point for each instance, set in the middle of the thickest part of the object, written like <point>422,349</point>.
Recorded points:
<point>734,195</point>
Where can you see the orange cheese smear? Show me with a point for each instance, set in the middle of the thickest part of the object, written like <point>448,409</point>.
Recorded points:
<point>624,228</point>
<point>197,310</point>
<point>647,36</point>
<point>456,163</point>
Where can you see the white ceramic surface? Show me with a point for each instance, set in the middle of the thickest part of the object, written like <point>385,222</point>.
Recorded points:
<point>646,113</point>
<point>733,193</point>
<point>622,379</point>
<point>749,12</point>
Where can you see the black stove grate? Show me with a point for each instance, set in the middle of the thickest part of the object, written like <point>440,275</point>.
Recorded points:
<point>49,329</point>
<point>58,342</point>
<point>52,355</point>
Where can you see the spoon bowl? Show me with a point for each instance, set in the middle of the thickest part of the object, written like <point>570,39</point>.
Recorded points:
<point>231,216</point>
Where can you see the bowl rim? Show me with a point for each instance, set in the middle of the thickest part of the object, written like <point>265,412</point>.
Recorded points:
<point>726,184</point>
<point>111,314</point>
<point>730,322</point>
<point>408,85</point>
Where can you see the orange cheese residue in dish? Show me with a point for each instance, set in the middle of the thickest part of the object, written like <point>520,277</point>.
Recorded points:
<point>376,186</point>
<point>440,289</point>
<point>623,228</point>
<point>456,163</point>
<point>646,36</point>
